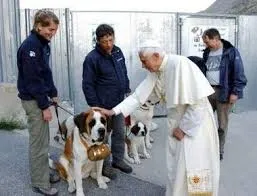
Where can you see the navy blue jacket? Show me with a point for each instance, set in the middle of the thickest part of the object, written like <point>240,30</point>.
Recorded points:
<point>105,81</point>
<point>232,77</point>
<point>35,81</point>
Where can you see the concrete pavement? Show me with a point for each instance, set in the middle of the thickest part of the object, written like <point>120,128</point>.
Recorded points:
<point>238,169</point>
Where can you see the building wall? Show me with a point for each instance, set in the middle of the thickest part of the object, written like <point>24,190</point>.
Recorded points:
<point>247,39</point>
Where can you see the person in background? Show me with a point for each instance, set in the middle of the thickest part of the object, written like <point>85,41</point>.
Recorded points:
<point>192,140</point>
<point>105,84</point>
<point>223,68</point>
<point>36,91</point>
<point>198,61</point>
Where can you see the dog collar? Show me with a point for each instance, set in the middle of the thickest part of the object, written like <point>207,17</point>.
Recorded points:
<point>144,107</point>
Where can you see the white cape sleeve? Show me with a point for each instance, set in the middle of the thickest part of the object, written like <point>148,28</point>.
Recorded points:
<point>142,92</point>
<point>193,118</point>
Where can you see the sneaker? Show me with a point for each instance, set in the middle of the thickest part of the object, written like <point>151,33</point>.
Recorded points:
<point>122,166</point>
<point>109,172</point>
<point>54,178</point>
<point>45,191</point>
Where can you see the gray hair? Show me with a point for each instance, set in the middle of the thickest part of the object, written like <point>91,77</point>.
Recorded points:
<point>149,47</point>
<point>144,51</point>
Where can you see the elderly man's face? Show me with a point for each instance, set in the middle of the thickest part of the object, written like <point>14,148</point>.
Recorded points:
<point>151,62</point>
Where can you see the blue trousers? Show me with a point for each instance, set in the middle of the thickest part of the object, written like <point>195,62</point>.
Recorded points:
<point>117,125</point>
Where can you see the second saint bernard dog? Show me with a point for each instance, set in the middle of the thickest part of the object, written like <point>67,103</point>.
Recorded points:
<point>135,143</point>
<point>144,114</point>
<point>85,130</point>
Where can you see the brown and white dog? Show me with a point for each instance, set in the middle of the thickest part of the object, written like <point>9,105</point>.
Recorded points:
<point>144,114</point>
<point>135,143</point>
<point>86,129</point>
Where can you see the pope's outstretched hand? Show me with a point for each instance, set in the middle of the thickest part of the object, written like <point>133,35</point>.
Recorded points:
<point>104,111</point>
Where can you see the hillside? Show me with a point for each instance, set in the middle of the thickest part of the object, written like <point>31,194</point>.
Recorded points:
<point>245,7</point>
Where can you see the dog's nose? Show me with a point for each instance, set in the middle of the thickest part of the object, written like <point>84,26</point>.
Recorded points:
<point>101,131</point>
<point>143,134</point>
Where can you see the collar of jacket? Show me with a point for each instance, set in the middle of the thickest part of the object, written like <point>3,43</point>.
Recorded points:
<point>226,45</point>
<point>40,37</point>
<point>101,51</point>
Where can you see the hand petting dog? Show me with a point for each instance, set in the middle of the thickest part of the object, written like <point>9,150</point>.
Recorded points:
<point>104,111</point>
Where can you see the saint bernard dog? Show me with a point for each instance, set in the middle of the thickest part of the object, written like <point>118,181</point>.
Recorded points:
<point>144,114</point>
<point>86,130</point>
<point>135,143</point>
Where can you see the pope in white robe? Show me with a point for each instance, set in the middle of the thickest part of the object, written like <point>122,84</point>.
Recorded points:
<point>192,139</point>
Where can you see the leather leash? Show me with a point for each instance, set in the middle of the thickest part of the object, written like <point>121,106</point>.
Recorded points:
<point>63,133</point>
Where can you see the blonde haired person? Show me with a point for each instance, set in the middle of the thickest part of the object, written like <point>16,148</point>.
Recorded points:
<point>192,142</point>
<point>36,88</point>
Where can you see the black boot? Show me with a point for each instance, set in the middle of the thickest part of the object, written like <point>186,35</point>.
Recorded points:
<point>109,172</point>
<point>122,166</point>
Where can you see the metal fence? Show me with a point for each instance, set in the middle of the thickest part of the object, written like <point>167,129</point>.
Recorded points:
<point>178,32</point>
<point>9,39</point>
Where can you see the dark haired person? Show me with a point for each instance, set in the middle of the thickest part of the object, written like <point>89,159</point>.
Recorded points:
<point>225,72</point>
<point>36,88</point>
<point>105,84</point>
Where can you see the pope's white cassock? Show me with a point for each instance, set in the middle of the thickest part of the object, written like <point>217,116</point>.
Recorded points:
<point>192,163</point>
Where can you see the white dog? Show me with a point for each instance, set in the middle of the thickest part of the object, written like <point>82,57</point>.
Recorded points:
<point>135,143</point>
<point>87,129</point>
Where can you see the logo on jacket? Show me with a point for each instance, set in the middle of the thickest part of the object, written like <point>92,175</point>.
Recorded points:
<point>32,54</point>
<point>119,59</point>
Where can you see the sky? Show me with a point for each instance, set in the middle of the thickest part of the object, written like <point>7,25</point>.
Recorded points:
<point>190,6</point>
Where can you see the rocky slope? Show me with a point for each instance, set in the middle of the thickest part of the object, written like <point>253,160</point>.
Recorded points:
<point>245,7</point>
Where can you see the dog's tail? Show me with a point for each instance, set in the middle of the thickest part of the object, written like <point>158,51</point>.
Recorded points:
<point>61,170</point>
<point>56,165</point>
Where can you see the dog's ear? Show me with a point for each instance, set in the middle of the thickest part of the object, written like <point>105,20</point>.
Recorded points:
<point>80,121</point>
<point>63,128</point>
<point>145,129</point>
<point>135,129</point>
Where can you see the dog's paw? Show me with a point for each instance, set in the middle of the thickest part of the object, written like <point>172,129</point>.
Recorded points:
<point>147,155</point>
<point>149,146</point>
<point>102,185</point>
<point>71,189</point>
<point>131,160</point>
<point>80,192</point>
<point>137,161</point>
<point>106,179</point>
<point>151,140</point>
<point>71,186</point>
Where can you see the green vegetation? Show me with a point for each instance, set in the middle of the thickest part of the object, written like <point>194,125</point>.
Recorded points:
<point>11,124</point>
